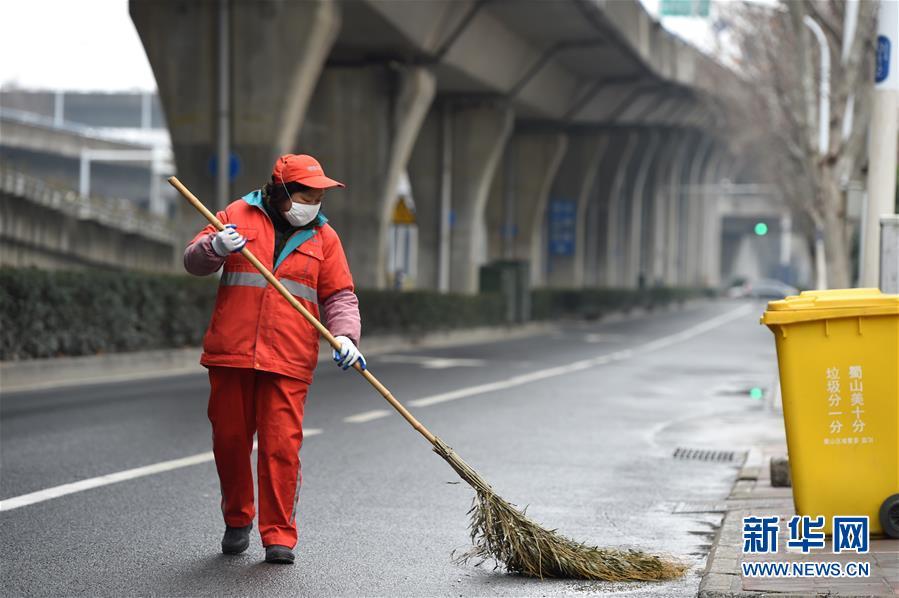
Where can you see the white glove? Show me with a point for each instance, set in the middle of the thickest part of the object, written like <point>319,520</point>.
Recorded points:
<point>348,354</point>
<point>228,241</point>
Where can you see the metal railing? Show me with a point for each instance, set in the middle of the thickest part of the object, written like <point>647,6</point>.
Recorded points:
<point>115,213</point>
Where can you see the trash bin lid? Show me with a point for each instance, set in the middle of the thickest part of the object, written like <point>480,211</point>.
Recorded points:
<point>825,305</point>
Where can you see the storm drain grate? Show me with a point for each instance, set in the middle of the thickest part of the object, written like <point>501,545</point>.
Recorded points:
<point>704,455</point>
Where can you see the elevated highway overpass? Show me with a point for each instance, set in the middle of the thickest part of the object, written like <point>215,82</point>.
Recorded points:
<point>501,111</point>
<point>50,217</point>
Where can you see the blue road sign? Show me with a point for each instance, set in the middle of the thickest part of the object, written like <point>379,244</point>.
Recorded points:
<point>882,67</point>
<point>233,166</point>
<point>562,217</point>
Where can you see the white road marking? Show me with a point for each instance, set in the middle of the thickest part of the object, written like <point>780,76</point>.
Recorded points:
<point>111,478</point>
<point>576,366</point>
<point>603,338</point>
<point>366,416</point>
<point>433,363</point>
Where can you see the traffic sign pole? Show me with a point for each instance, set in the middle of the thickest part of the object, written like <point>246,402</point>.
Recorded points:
<point>881,143</point>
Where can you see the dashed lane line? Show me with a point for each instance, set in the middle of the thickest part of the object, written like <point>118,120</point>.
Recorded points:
<point>366,416</point>
<point>665,341</point>
<point>112,478</point>
<point>577,366</point>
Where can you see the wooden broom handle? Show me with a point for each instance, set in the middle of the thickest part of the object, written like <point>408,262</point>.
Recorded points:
<point>190,197</point>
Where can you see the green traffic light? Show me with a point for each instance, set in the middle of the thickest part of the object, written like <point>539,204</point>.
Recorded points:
<point>756,393</point>
<point>761,229</point>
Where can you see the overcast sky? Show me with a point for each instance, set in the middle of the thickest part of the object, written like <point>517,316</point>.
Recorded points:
<point>72,45</point>
<point>92,45</point>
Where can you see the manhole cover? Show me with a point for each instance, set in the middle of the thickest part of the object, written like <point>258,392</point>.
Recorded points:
<point>704,455</point>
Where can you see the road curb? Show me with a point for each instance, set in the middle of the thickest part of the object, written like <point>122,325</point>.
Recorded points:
<point>722,577</point>
<point>40,374</point>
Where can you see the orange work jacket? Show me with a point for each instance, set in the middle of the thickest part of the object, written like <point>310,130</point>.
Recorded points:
<point>252,325</point>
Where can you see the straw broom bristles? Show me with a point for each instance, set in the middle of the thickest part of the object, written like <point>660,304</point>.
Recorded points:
<point>501,532</point>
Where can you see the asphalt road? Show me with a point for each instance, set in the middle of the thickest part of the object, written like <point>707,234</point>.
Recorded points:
<point>589,448</point>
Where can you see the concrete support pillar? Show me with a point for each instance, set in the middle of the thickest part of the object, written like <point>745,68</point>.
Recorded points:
<point>677,179</point>
<point>362,124</point>
<point>454,162</point>
<point>452,169</point>
<point>692,223</point>
<point>274,83</point>
<point>480,130</point>
<point>661,200</point>
<point>639,212</point>
<point>278,50</point>
<point>717,170</point>
<point>617,214</point>
<point>598,225</point>
<point>626,145</point>
<point>575,182</point>
<point>684,207</point>
<point>425,176</point>
<point>457,157</point>
<point>594,239</point>
<point>516,211</point>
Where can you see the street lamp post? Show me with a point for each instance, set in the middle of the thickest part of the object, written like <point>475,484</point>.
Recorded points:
<point>823,138</point>
<point>223,146</point>
<point>824,89</point>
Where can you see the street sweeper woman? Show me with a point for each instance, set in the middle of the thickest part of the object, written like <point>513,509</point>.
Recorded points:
<point>260,353</point>
<point>499,530</point>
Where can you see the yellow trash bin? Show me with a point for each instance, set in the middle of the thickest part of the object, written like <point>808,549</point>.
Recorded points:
<point>838,354</point>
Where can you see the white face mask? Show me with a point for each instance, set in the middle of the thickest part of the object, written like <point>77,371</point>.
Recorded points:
<point>301,214</point>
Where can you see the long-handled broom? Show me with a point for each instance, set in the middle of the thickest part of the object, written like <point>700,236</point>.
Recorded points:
<point>499,531</point>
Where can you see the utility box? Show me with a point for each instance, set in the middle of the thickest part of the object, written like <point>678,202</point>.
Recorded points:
<point>512,279</point>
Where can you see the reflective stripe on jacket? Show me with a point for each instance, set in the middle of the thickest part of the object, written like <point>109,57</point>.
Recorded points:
<point>252,326</point>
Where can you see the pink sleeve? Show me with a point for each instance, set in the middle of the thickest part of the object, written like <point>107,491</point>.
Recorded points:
<point>341,312</point>
<point>200,259</point>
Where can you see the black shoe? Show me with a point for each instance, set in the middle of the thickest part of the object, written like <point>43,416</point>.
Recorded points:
<point>282,555</point>
<point>236,539</point>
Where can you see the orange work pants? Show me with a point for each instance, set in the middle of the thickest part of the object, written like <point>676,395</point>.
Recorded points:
<point>243,402</point>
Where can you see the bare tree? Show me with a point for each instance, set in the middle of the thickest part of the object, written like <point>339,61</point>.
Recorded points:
<point>779,58</point>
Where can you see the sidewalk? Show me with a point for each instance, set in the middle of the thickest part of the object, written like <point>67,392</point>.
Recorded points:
<point>753,494</point>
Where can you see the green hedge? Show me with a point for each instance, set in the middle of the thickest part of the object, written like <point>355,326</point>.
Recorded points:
<point>547,304</point>
<point>56,313</point>
<point>423,311</point>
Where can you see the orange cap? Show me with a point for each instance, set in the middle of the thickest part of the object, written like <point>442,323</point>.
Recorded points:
<point>303,169</point>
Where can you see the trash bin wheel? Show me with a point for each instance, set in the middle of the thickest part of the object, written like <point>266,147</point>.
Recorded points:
<point>889,516</point>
